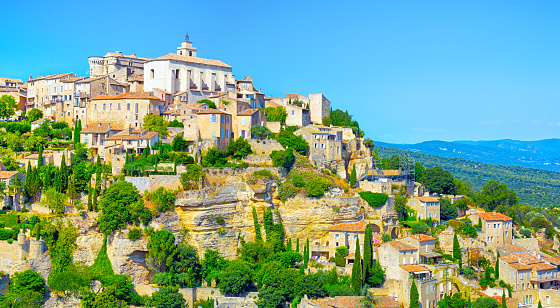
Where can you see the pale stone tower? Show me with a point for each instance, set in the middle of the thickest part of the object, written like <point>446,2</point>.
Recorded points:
<point>186,48</point>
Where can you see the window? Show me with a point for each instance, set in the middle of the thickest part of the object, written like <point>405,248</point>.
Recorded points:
<point>111,106</point>
<point>337,236</point>
<point>119,106</point>
<point>548,300</point>
<point>521,276</point>
<point>152,73</point>
<point>128,106</point>
<point>243,122</point>
<point>293,112</point>
<point>213,118</point>
<point>336,244</point>
<point>136,107</point>
<point>104,106</point>
<point>177,73</point>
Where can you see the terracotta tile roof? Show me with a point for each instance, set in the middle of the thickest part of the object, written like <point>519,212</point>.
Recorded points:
<point>548,258</point>
<point>136,77</point>
<point>176,57</point>
<point>493,216</point>
<point>499,299</point>
<point>428,199</point>
<point>543,267</point>
<point>128,95</point>
<point>413,268</point>
<point>402,246</point>
<point>212,111</point>
<point>513,248</point>
<point>197,106</point>
<point>12,80</point>
<point>145,136</point>
<point>39,121</point>
<point>114,54</point>
<point>55,76</point>
<point>423,237</point>
<point>162,91</point>
<point>74,79</point>
<point>98,128</point>
<point>7,174</point>
<point>338,302</point>
<point>527,258</point>
<point>247,112</point>
<point>387,302</point>
<point>510,258</point>
<point>521,267</point>
<point>358,226</point>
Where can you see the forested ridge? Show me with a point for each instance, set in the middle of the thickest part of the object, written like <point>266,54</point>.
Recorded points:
<point>533,186</point>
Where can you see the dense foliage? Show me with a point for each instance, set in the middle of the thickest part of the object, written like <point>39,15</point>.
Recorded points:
<point>120,204</point>
<point>374,199</point>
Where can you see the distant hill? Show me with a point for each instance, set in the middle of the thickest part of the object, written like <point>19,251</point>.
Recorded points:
<point>542,154</point>
<point>533,186</point>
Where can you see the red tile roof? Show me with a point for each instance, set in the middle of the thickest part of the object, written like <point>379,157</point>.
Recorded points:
<point>97,128</point>
<point>423,237</point>
<point>358,226</point>
<point>128,95</point>
<point>402,246</point>
<point>387,302</point>
<point>212,111</point>
<point>338,302</point>
<point>7,174</point>
<point>493,216</point>
<point>413,268</point>
<point>549,259</point>
<point>247,112</point>
<point>513,248</point>
<point>428,199</point>
<point>132,137</point>
<point>543,267</point>
<point>176,57</point>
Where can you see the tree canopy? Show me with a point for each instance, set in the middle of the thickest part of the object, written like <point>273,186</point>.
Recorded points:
<point>155,123</point>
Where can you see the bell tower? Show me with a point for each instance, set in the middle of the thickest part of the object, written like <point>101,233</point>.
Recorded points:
<point>186,48</point>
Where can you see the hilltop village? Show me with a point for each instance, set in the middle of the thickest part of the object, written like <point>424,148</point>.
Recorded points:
<point>168,182</point>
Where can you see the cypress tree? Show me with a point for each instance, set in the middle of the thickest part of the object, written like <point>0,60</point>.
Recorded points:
<point>414,297</point>
<point>64,173</point>
<point>36,181</point>
<point>353,176</point>
<point>94,200</point>
<point>306,254</point>
<point>72,192</point>
<point>289,245</point>
<point>37,231</point>
<point>258,235</point>
<point>504,300</point>
<point>98,168</point>
<point>58,180</point>
<point>357,270</point>
<point>297,244</point>
<point>540,305</point>
<point>28,185</point>
<point>368,256</point>
<point>175,165</point>
<point>40,158</point>
<point>497,268</point>
<point>89,204</point>
<point>457,251</point>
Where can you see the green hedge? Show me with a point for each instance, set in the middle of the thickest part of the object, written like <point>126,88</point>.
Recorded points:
<point>10,220</point>
<point>374,199</point>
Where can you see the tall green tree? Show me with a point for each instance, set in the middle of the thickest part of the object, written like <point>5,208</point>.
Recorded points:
<point>368,256</point>
<point>72,191</point>
<point>457,251</point>
<point>497,268</point>
<point>155,123</point>
<point>496,195</point>
<point>258,235</point>
<point>353,176</point>
<point>161,250</point>
<point>357,270</point>
<point>289,245</point>
<point>504,304</point>
<point>28,185</point>
<point>77,131</point>
<point>8,106</point>
<point>306,254</point>
<point>539,306</point>
<point>414,296</point>
<point>297,244</point>
<point>440,181</point>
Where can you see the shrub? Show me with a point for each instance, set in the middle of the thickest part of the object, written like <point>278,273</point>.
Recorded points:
<point>283,159</point>
<point>164,199</point>
<point>239,148</point>
<point>192,178</point>
<point>418,227</point>
<point>374,199</point>
<point>289,140</point>
<point>287,190</point>
<point>134,234</point>
<point>339,255</point>
<point>525,232</point>
<point>260,132</point>
<point>220,220</point>
<point>316,187</point>
<point>469,231</point>
<point>161,279</point>
<point>386,237</point>
<point>336,209</point>
<point>214,158</point>
<point>263,174</point>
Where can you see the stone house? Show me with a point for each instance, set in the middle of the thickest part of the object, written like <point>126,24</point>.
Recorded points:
<point>116,65</point>
<point>317,104</point>
<point>394,254</point>
<point>214,125</point>
<point>34,158</point>
<point>532,277</point>
<point>324,143</point>
<point>343,234</point>
<point>129,140</point>
<point>335,302</point>
<point>11,199</point>
<point>45,92</point>
<point>38,123</point>
<point>298,116</point>
<point>94,136</point>
<point>14,88</point>
<point>424,243</point>
<point>496,228</point>
<point>124,110</point>
<point>425,207</point>
<point>425,283</point>
<point>246,120</point>
<point>182,112</point>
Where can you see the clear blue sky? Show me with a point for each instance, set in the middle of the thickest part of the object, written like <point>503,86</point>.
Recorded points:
<point>408,71</point>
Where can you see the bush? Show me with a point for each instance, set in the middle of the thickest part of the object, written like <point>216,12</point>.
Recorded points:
<point>525,232</point>
<point>239,148</point>
<point>162,279</point>
<point>469,231</point>
<point>374,199</point>
<point>260,132</point>
<point>220,220</point>
<point>164,199</point>
<point>386,237</point>
<point>419,227</point>
<point>283,159</point>
<point>121,204</point>
<point>317,186</point>
<point>7,234</point>
<point>340,254</point>
<point>289,140</point>
<point>214,158</point>
<point>192,178</point>
<point>134,234</point>
<point>263,174</point>
<point>287,190</point>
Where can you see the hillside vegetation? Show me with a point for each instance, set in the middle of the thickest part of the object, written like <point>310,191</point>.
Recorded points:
<point>533,186</point>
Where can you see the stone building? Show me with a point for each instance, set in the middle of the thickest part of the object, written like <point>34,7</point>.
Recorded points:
<point>425,207</point>
<point>317,104</point>
<point>182,112</point>
<point>344,234</point>
<point>117,66</point>
<point>44,93</point>
<point>325,144</point>
<point>129,141</point>
<point>338,302</point>
<point>95,134</point>
<point>496,228</point>
<point>124,110</point>
<point>298,116</point>
<point>14,88</point>
<point>180,72</point>
<point>246,120</point>
<point>532,277</point>
<point>214,127</point>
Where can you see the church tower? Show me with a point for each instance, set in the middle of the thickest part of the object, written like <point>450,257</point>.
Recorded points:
<point>186,48</point>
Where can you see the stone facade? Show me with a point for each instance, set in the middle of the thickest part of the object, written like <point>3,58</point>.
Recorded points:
<point>425,207</point>
<point>125,110</point>
<point>117,65</point>
<point>496,228</point>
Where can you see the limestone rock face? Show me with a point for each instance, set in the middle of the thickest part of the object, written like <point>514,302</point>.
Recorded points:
<point>129,257</point>
<point>357,155</point>
<point>234,202</point>
<point>311,217</point>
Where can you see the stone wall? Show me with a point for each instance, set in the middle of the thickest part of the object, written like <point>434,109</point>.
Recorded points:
<point>153,182</point>
<point>264,147</point>
<point>215,176</point>
<point>527,243</point>
<point>191,295</point>
<point>258,160</point>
